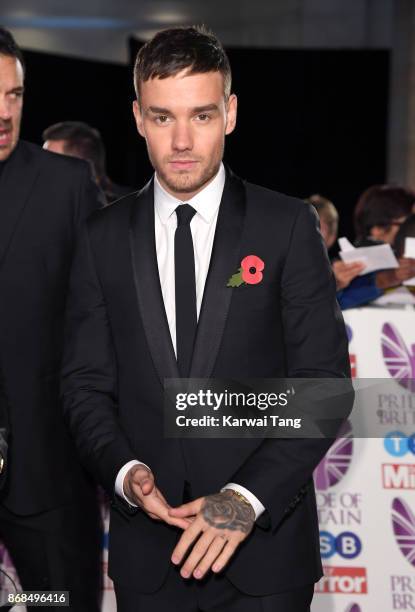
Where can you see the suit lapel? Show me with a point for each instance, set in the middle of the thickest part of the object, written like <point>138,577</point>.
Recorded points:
<point>16,183</point>
<point>147,284</point>
<point>225,261</point>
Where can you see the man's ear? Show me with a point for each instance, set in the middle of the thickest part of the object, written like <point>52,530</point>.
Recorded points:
<point>231,112</point>
<point>138,118</point>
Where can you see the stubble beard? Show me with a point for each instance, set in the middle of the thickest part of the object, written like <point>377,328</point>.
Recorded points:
<point>183,182</point>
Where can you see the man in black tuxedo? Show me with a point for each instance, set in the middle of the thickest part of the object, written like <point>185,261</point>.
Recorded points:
<point>49,518</point>
<point>149,301</point>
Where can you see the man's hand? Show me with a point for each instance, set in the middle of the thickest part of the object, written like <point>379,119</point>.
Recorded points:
<point>140,489</point>
<point>222,522</point>
<point>406,269</point>
<point>386,279</point>
<point>346,272</point>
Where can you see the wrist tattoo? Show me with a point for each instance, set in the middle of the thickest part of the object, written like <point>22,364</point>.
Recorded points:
<point>226,511</point>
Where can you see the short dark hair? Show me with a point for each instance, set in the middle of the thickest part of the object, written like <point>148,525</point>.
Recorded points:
<point>9,47</point>
<point>175,49</point>
<point>381,205</point>
<point>81,140</point>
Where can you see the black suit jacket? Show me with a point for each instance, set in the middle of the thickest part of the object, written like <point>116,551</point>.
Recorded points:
<point>43,199</point>
<point>119,352</point>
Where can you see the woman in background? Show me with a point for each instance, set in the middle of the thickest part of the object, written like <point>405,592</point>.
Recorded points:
<point>380,212</point>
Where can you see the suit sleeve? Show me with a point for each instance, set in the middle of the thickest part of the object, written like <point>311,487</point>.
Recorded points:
<point>279,472</point>
<point>89,376</point>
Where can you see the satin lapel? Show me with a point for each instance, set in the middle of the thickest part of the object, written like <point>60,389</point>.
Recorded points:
<point>225,261</point>
<point>18,177</point>
<point>147,284</point>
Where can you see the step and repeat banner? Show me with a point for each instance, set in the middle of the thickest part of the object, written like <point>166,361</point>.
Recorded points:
<point>365,486</point>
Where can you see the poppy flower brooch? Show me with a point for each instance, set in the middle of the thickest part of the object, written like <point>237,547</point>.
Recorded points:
<point>249,273</point>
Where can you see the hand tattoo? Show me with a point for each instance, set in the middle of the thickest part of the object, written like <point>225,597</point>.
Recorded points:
<point>226,511</point>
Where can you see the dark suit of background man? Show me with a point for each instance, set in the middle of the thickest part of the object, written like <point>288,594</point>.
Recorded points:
<point>48,514</point>
<point>136,294</point>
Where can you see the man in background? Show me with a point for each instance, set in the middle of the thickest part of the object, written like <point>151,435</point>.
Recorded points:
<point>329,218</point>
<point>79,139</point>
<point>344,272</point>
<point>49,518</point>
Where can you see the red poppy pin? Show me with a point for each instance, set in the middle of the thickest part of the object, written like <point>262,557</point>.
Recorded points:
<point>250,272</point>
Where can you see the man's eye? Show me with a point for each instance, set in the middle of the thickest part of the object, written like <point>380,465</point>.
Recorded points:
<point>162,119</point>
<point>203,117</point>
<point>15,94</point>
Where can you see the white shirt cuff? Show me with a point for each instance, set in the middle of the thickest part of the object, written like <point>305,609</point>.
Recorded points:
<point>254,501</point>
<point>119,481</point>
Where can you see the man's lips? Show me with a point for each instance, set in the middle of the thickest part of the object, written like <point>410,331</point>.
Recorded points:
<point>183,164</point>
<point>5,137</point>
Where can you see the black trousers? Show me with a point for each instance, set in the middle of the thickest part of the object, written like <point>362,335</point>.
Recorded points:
<point>213,594</point>
<point>58,550</point>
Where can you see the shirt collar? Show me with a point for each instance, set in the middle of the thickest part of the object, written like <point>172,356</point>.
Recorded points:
<point>205,203</point>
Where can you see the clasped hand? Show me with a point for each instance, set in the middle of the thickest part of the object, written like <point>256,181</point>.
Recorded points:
<point>214,526</point>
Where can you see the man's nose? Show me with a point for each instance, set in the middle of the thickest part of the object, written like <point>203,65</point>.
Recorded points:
<point>182,137</point>
<point>5,108</point>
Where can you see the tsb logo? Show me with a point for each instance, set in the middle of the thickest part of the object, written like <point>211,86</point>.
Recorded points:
<point>346,544</point>
<point>398,444</point>
<point>398,475</point>
<point>348,580</point>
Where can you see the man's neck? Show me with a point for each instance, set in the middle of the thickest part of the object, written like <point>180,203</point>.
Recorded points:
<point>3,162</point>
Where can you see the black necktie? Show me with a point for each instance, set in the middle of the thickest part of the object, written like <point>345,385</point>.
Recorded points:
<point>185,287</point>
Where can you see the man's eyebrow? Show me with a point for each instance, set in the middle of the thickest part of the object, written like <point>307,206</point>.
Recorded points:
<point>158,110</point>
<point>197,109</point>
<point>206,107</point>
<point>19,89</point>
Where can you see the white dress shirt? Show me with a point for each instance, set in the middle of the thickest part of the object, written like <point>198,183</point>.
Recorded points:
<point>203,225</point>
